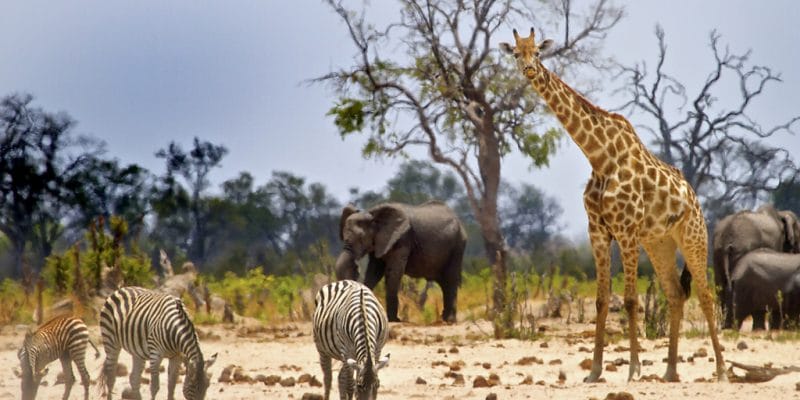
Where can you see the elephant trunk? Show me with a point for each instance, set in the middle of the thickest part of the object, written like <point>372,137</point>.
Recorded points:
<point>346,267</point>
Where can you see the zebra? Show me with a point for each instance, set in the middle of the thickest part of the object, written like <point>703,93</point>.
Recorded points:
<point>151,325</point>
<point>350,326</point>
<point>62,338</point>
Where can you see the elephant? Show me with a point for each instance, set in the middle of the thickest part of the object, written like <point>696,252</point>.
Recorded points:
<point>757,279</point>
<point>739,233</point>
<point>423,241</point>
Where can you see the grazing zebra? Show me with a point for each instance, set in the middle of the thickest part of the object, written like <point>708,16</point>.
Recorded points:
<point>350,326</point>
<point>150,326</point>
<point>61,338</point>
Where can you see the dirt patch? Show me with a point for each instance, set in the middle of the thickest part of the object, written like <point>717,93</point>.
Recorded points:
<point>454,362</point>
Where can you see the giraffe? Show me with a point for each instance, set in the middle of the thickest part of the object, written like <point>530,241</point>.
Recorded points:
<point>634,198</point>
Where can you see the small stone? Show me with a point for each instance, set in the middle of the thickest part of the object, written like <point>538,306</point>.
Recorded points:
<point>647,362</point>
<point>700,353</point>
<point>453,350</point>
<point>287,382</point>
<point>586,364</point>
<point>480,382</point>
<point>311,396</point>
<point>272,380</point>
<point>494,379</point>
<point>458,380</point>
<point>741,345</point>
<point>584,349</point>
<point>544,345</point>
<point>491,396</point>
<point>314,382</point>
<point>121,370</point>
<point>619,396</point>
<point>611,368</point>
<point>225,375</point>
<point>529,361</point>
<point>555,362</point>
<point>527,381</point>
<point>562,376</point>
<point>486,365</point>
<point>128,394</point>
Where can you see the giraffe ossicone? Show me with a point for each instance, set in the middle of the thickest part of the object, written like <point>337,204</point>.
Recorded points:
<point>634,198</point>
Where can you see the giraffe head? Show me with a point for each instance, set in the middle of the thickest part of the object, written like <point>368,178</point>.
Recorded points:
<point>526,51</point>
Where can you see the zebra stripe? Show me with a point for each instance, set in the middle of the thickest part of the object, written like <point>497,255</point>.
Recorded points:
<point>61,338</point>
<point>350,325</point>
<point>151,325</point>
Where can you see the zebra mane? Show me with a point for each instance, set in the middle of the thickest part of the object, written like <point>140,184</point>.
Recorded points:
<point>366,331</point>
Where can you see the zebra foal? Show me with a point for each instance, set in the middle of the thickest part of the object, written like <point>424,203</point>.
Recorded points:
<point>350,326</point>
<point>61,338</point>
<point>151,326</point>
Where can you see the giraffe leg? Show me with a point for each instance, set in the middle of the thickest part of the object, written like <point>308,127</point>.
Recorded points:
<point>662,256</point>
<point>629,250</point>
<point>601,246</point>
<point>694,247</point>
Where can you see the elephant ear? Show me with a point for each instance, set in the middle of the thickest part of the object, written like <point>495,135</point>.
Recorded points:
<point>347,211</point>
<point>391,223</point>
<point>790,230</point>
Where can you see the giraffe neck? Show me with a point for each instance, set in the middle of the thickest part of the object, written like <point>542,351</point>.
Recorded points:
<point>603,137</point>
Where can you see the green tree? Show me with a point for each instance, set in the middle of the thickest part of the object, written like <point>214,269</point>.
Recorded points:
<point>38,155</point>
<point>431,79</point>
<point>530,217</point>
<point>181,210</point>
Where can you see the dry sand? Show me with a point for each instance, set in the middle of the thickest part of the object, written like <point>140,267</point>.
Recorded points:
<point>421,359</point>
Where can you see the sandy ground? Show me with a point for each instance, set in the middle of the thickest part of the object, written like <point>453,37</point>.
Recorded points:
<point>422,358</point>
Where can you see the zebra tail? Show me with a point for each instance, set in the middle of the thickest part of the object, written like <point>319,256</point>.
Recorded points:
<point>366,331</point>
<point>102,389</point>
<point>96,352</point>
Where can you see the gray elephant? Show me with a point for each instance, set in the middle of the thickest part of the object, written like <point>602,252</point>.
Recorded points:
<point>742,232</point>
<point>757,279</point>
<point>424,241</point>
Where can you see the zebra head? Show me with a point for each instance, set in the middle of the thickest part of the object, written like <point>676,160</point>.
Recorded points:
<point>197,379</point>
<point>30,376</point>
<point>367,382</point>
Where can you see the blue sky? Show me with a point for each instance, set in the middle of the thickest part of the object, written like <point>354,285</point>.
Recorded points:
<point>140,74</point>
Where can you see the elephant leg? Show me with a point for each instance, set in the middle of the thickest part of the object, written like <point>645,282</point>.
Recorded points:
<point>775,319</point>
<point>449,294</point>
<point>451,278</point>
<point>395,267</point>
<point>375,271</point>
<point>759,320</point>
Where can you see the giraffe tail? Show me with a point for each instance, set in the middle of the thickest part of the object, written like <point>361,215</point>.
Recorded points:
<point>686,281</point>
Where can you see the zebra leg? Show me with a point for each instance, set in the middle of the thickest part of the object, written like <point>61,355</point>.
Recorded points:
<point>155,365</point>
<point>327,374</point>
<point>172,376</point>
<point>347,386</point>
<point>110,367</point>
<point>85,381</point>
<point>69,378</point>
<point>136,377</point>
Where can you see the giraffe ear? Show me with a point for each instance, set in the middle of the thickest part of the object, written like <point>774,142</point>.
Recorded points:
<point>546,44</point>
<point>506,48</point>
